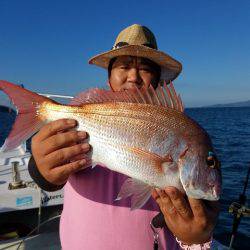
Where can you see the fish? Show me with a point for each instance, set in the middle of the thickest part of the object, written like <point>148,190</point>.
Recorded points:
<point>144,134</point>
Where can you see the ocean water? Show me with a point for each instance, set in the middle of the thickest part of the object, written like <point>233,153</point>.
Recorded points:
<point>229,129</point>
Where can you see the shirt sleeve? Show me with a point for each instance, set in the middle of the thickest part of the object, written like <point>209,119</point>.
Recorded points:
<point>39,179</point>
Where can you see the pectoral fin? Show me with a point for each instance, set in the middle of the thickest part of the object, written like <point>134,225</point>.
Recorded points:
<point>139,191</point>
<point>156,160</point>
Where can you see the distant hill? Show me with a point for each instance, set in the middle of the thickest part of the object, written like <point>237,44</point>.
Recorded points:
<point>234,104</point>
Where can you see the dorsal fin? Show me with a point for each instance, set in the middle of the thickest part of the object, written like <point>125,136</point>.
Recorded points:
<point>161,96</point>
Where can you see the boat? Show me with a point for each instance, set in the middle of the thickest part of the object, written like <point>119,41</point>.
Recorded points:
<point>25,209</point>
<point>17,190</point>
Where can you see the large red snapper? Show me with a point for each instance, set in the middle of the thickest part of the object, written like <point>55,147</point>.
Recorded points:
<point>140,133</point>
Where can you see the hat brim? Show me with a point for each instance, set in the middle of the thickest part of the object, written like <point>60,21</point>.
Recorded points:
<point>170,68</point>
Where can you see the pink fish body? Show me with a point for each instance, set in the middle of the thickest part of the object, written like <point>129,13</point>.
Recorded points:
<point>142,134</point>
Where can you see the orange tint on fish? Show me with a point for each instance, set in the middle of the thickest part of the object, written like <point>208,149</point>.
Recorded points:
<point>154,143</point>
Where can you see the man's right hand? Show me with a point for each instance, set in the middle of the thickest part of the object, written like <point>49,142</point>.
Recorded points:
<point>60,151</point>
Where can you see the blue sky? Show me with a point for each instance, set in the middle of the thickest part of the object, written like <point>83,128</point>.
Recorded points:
<point>46,44</point>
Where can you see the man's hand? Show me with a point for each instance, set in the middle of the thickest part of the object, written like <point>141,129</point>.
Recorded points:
<point>191,221</point>
<point>59,151</point>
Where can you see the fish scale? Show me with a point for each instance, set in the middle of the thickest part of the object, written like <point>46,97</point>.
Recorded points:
<point>154,143</point>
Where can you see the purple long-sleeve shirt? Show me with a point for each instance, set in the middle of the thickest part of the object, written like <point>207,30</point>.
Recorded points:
<point>92,219</point>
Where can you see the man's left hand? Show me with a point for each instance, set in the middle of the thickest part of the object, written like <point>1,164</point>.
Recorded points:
<point>192,221</point>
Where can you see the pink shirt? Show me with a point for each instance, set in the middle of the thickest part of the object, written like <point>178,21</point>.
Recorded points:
<point>92,219</point>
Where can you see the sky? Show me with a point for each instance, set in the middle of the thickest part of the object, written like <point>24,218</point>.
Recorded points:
<point>45,45</point>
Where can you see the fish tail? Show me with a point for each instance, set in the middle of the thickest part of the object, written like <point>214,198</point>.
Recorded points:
<point>27,121</point>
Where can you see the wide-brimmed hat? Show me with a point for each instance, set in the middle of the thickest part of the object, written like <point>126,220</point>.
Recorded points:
<point>137,40</point>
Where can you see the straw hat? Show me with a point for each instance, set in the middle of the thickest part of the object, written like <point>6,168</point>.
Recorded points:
<point>137,40</point>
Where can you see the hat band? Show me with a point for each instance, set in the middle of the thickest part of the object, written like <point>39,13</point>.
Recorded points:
<point>122,44</point>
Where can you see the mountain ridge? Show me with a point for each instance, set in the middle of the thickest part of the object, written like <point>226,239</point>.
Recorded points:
<point>232,104</point>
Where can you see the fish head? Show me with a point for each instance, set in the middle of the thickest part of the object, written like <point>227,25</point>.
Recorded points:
<point>200,172</point>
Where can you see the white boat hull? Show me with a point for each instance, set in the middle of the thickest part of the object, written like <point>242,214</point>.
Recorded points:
<point>27,197</point>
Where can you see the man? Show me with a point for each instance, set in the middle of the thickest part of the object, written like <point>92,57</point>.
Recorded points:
<point>91,217</point>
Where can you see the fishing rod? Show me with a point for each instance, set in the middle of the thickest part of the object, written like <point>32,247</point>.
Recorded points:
<point>239,210</point>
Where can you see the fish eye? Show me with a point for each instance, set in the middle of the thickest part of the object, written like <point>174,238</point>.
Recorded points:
<point>212,161</point>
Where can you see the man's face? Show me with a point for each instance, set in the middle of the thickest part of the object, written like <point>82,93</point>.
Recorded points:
<point>129,72</point>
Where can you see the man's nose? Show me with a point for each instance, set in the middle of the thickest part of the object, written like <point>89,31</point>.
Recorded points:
<point>134,76</point>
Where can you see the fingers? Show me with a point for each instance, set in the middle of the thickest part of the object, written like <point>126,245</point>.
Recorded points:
<point>63,155</point>
<point>54,127</point>
<point>67,169</point>
<point>198,208</point>
<point>172,201</point>
<point>165,203</point>
<point>205,215</point>
<point>155,194</point>
<point>78,157</point>
<point>190,220</point>
<point>62,140</point>
<point>179,202</point>
<point>60,151</point>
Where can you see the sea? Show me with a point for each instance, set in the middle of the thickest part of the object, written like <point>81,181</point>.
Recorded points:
<point>229,129</point>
